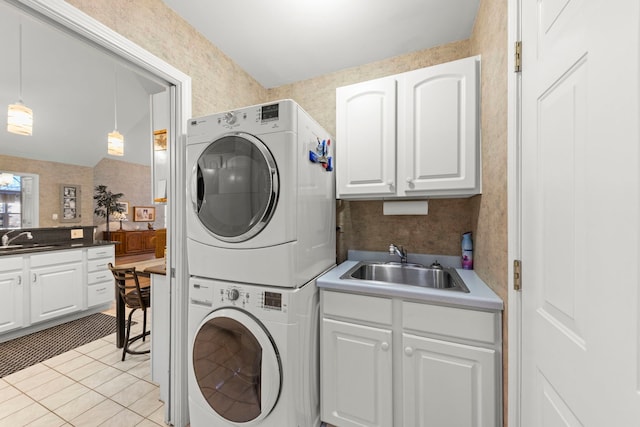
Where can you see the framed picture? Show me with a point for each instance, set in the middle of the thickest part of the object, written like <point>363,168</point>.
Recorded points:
<point>124,206</point>
<point>70,203</point>
<point>160,140</point>
<point>144,213</point>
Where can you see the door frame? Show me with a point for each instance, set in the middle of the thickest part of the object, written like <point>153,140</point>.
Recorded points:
<point>80,25</point>
<point>514,169</point>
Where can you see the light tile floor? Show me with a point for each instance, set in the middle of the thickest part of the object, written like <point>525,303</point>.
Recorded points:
<point>87,386</point>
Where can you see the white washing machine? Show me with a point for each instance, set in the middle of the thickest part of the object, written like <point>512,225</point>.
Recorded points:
<point>262,196</point>
<point>253,355</point>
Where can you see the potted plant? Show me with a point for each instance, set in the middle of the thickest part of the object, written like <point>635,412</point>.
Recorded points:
<point>106,204</point>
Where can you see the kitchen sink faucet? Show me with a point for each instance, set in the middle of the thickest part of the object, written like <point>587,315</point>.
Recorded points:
<point>6,241</point>
<point>394,250</point>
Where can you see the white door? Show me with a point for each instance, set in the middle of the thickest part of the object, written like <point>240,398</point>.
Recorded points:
<point>448,384</point>
<point>366,138</point>
<point>55,291</point>
<point>11,303</point>
<point>438,138</point>
<point>580,219</point>
<point>357,388</point>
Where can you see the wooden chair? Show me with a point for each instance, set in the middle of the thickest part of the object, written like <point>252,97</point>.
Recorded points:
<point>135,298</point>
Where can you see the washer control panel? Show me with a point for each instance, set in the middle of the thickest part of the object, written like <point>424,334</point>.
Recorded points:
<point>261,300</point>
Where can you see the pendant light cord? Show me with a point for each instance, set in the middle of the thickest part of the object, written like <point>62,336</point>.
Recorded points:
<point>115,97</point>
<point>20,63</point>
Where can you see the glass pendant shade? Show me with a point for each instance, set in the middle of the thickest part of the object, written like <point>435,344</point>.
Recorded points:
<point>19,119</point>
<point>115,143</point>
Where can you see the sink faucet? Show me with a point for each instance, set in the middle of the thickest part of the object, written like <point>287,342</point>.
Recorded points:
<point>394,250</point>
<point>6,241</point>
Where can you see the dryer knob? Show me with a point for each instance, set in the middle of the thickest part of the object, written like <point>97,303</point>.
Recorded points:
<point>230,118</point>
<point>233,294</point>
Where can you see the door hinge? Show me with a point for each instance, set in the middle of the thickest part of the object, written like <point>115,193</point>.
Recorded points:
<point>517,57</point>
<point>517,275</point>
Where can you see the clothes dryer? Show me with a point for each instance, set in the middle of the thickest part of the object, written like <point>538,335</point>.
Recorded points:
<point>262,196</point>
<point>253,355</point>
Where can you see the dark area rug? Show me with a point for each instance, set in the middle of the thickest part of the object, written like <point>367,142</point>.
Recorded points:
<point>28,350</point>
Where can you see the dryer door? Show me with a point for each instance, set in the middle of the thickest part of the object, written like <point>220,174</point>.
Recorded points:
<point>237,187</point>
<point>237,366</point>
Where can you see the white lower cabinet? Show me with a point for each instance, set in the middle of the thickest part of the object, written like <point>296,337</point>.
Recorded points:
<point>390,362</point>
<point>12,292</point>
<point>447,384</point>
<point>56,283</point>
<point>100,282</point>
<point>356,382</point>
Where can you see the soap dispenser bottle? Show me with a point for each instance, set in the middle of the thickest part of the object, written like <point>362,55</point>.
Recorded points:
<point>467,251</point>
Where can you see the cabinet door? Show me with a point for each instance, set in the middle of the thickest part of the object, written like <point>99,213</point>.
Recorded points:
<point>55,291</point>
<point>448,384</point>
<point>356,381</point>
<point>135,242</point>
<point>119,236</point>
<point>438,138</point>
<point>366,138</point>
<point>149,241</point>
<point>11,303</point>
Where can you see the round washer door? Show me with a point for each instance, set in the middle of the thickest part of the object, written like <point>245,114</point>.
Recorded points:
<point>237,187</point>
<point>237,366</point>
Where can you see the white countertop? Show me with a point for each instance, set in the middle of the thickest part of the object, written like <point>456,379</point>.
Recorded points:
<point>480,296</point>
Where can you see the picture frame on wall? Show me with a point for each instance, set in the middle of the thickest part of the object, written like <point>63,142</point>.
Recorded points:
<point>70,196</point>
<point>124,206</point>
<point>160,140</point>
<point>144,213</point>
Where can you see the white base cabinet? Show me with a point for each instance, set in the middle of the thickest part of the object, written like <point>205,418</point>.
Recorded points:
<point>56,282</point>
<point>447,384</point>
<point>392,362</point>
<point>100,281</point>
<point>356,370</point>
<point>12,293</point>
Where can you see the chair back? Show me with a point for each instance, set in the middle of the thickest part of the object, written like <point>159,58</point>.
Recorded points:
<point>129,287</point>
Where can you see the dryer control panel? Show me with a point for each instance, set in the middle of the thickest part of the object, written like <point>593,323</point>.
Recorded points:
<point>264,118</point>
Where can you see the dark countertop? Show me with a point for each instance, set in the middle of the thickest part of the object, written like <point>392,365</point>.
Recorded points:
<point>46,247</point>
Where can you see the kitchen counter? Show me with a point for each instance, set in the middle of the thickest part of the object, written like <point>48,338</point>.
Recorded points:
<point>480,296</point>
<point>45,247</point>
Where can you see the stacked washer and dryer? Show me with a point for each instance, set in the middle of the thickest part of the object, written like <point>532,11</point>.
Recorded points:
<point>261,229</point>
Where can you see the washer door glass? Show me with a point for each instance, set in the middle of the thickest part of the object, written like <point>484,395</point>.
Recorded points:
<point>237,187</point>
<point>236,366</point>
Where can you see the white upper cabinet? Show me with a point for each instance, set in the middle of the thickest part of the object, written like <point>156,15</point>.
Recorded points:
<point>366,132</point>
<point>411,135</point>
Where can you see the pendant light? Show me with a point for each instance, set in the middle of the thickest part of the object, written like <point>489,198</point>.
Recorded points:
<point>115,140</point>
<point>19,116</point>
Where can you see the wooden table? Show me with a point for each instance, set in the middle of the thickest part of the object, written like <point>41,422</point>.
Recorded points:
<point>143,269</point>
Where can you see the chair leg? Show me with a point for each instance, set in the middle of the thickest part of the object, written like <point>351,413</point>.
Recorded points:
<point>144,324</point>
<point>125,347</point>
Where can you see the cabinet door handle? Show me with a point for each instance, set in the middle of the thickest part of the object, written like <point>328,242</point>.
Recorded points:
<point>408,351</point>
<point>390,183</point>
<point>410,180</point>
<point>19,280</point>
<point>35,278</point>
<point>384,346</point>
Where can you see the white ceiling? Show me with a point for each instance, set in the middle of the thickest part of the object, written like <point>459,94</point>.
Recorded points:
<point>70,87</point>
<point>70,84</point>
<point>284,41</point>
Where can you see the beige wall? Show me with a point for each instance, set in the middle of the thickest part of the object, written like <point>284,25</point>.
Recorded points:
<point>134,182</point>
<point>489,219</point>
<point>51,175</point>
<point>362,224</point>
<point>218,84</point>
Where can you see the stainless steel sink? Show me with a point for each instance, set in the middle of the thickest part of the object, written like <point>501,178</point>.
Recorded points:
<point>407,274</point>
<point>27,248</point>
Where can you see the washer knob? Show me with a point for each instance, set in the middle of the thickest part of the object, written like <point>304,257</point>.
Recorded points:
<point>233,294</point>
<point>230,118</point>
